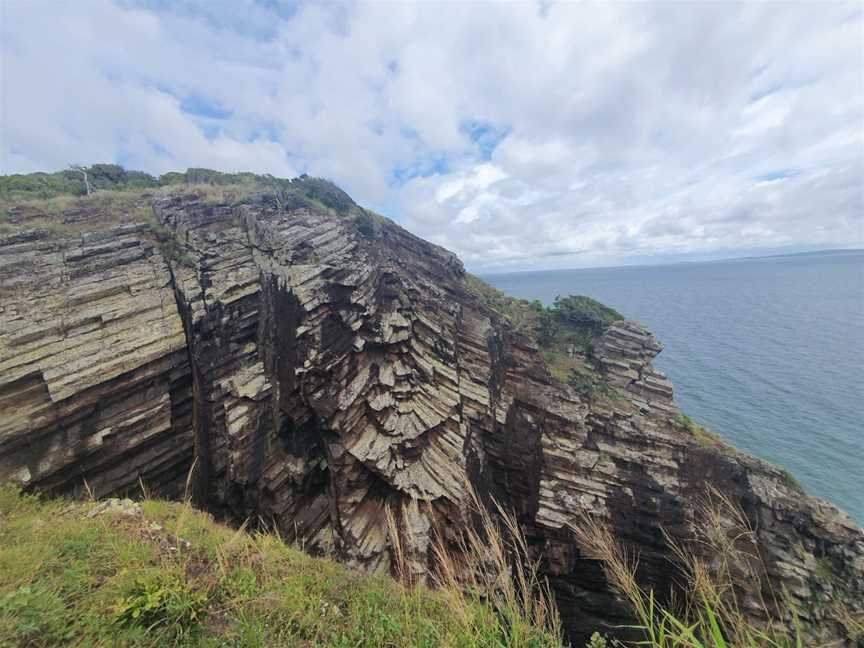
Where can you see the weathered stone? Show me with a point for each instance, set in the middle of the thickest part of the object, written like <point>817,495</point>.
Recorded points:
<point>116,507</point>
<point>314,376</point>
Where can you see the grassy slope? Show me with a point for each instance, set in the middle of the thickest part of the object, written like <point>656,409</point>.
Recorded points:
<point>174,577</point>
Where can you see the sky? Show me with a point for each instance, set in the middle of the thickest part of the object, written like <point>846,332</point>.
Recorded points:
<point>519,135</point>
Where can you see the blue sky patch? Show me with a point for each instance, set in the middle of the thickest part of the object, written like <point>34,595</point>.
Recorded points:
<point>268,131</point>
<point>780,174</point>
<point>158,149</point>
<point>260,24</point>
<point>433,164</point>
<point>201,107</point>
<point>761,94</point>
<point>211,131</point>
<point>485,135</point>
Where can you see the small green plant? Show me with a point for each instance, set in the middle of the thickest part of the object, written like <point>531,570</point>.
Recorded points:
<point>583,382</point>
<point>165,599</point>
<point>703,435</point>
<point>169,245</point>
<point>597,641</point>
<point>789,478</point>
<point>823,567</point>
<point>686,422</point>
<point>240,583</point>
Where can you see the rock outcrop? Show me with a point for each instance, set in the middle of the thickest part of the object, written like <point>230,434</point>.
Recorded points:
<point>311,367</point>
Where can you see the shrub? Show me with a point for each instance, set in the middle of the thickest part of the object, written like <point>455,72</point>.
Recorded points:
<point>548,328</point>
<point>583,382</point>
<point>585,312</point>
<point>41,185</point>
<point>325,192</point>
<point>114,176</point>
<point>209,176</point>
<point>365,224</point>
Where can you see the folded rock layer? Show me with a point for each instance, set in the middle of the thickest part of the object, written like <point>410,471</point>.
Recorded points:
<point>310,369</point>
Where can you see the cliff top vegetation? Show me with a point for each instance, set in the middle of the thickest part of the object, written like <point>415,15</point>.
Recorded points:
<point>90,180</point>
<point>81,197</point>
<point>565,332</point>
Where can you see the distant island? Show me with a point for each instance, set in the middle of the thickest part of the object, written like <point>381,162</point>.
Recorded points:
<point>831,251</point>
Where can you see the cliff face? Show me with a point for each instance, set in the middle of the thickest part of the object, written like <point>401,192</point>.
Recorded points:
<point>318,366</point>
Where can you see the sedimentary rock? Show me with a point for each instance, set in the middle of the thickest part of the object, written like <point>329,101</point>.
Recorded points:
<point>310,367</point>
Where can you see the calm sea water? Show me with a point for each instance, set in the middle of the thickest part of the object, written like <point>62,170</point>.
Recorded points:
<point>767,352</point>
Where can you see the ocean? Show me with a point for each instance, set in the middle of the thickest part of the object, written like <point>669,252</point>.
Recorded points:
<point>767,352</point>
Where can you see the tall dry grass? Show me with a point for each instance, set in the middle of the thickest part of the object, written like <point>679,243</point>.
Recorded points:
<point>727,600</point>
<point>488,562</point>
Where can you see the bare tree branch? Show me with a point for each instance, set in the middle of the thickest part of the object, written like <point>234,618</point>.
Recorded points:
<point>83,171</point>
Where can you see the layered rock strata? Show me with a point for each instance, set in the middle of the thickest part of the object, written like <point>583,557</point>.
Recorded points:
<point>309,369</point>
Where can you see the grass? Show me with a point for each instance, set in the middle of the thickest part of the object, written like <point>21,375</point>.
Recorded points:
<point>489,564</point>
<point>174,577</point>
<point>58,203</point>
<point>523,315</point>
<point>703,435</point>
<point>71,214</point>
<point>170,245</point>
<point>709,615</point>
<point>789,478</point>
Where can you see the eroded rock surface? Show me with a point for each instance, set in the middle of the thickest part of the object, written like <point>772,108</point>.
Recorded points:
<point>317,368</point>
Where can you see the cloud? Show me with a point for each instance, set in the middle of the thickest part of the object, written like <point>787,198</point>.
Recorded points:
<point>518,135</point>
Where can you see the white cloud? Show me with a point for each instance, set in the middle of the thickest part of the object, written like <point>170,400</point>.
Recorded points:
<point>629,130</point>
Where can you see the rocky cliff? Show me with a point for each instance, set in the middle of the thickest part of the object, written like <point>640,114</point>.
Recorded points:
<point>317,363</point>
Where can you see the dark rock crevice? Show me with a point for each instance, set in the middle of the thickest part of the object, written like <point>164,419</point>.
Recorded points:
<point>201,402</point>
